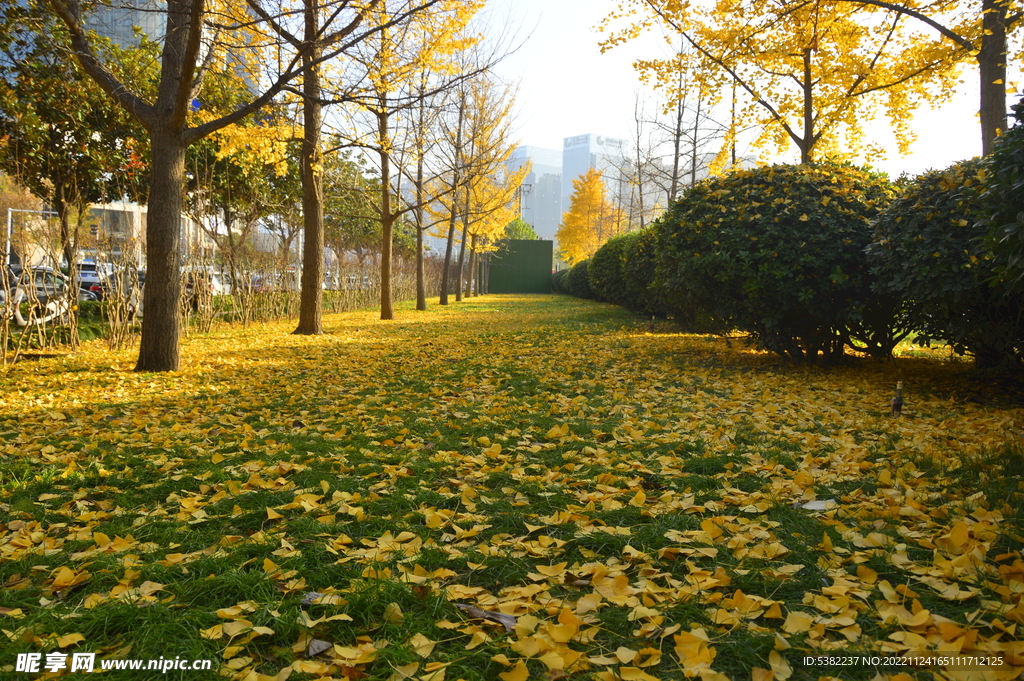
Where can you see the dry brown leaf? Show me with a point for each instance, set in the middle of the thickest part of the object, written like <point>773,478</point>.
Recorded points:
<point>507,621</point>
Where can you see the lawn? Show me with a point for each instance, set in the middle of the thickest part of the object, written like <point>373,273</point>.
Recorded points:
<point>509,488</point>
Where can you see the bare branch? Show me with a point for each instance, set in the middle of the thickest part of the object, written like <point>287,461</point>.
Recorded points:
<point>955,37</point>
<point>133,104</point>
<point>732,72</point>
<point>189,61</point>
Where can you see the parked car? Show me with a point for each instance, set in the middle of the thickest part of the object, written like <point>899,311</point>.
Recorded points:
<point>221,284</point>
<point>122,283</point>
<point>354,283</point>
<point>39,295</point>
<point>216,283</point>
<point>124,286</point>
<point>257,283</point>
<point>92,273</point>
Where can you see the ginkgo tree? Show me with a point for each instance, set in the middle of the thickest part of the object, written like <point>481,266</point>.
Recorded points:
<point>197,35</point>
<point>688,125</point>
<point>311,39</point>
<point>310,42</point>
<point>438,167</point>
<point>474,183</point>
<point>812,72</point>
<point>237,177</point>
<point>590,221</point>
<point>62,138</point>
<point>986,32</point>
<point>489,188</point>
<point>393,62</point>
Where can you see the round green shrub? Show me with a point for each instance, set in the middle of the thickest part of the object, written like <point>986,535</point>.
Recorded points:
<point>1003,199</point>
<point>639,259</point>
<point>929,248</point>
<point>775,251</point>
<point>558,281</point>
<point>605,270</point>
<point>577,282</point>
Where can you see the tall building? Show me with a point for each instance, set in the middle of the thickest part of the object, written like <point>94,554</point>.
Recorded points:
<point>118,232</point>
<point>540,195</point>
<point>583,152</point>
<point>126,23</point>
<point>122,23</point>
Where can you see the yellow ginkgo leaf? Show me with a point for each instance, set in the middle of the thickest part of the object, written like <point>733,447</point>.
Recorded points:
<point>518,673</point>
<point>422,645</point>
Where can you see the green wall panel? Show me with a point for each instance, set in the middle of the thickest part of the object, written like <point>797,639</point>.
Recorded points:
<point>522,266</point>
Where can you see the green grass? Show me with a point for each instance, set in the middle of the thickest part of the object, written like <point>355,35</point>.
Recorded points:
<point>363,464</point>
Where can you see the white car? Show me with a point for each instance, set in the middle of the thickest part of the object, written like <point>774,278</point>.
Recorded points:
<point>216,283</point>
<point>40,295</point>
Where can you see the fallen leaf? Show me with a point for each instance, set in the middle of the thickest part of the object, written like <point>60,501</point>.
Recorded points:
<point>507,621</point>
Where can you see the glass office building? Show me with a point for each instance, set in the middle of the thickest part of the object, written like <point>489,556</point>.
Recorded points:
<point>540,195</point>
<point>583,152</point>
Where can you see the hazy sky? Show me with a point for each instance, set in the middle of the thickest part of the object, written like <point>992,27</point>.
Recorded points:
<point>567,87</point>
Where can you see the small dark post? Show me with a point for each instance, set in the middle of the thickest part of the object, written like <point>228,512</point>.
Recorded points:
<point>897,401</point>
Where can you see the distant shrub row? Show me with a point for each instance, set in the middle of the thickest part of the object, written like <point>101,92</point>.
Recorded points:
<point>812,260</point>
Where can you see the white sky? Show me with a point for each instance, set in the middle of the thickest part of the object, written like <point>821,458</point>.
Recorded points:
<point>568,88</point>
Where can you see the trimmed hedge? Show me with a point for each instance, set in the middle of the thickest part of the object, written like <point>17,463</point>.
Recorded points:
<point>577,281</point>
<point>811,259</point>
<point>605,271</point>
<point>558,281</point>
<point>622,272</point>
<point>930,249</point>
<point>639,260</point>
<point>775,251</point>
<point>1003,199</point>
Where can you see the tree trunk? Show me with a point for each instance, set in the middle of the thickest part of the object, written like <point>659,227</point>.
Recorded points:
<point>677,135</point>
<point>446,275</point>
<point>639,171</point>
<point>161,324</point>
<point>387,220</point>
<point>456,179</point>
<point>992,59</point>
<point>421,124</point>
<point>693,145</point>
<point>471,274</point>
<point>733,124</point>
<point>67,241</point>
<point>421,285</point>
<point>387,307</point>
<point>807,143</point>
<point>485,275</point>
<point>460,267</point>
<point>312,294</point>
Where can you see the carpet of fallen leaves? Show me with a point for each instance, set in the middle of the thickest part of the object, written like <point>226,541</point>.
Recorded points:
<point>515,488</point>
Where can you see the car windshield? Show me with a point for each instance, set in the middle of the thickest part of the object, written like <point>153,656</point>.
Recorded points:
<point>47,281</point>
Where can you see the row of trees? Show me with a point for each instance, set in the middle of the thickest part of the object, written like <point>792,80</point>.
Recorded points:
<point>815,259</point>
<point>363,121</point>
